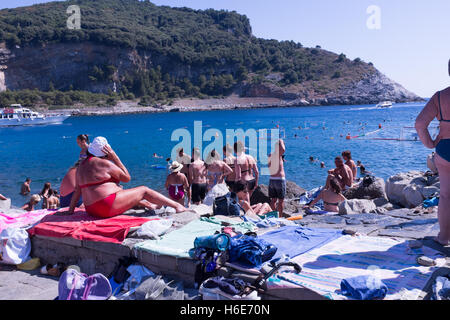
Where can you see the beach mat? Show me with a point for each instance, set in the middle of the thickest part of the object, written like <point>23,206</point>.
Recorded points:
<point>390,260</point>
<point>296,240</point>
<point>82,226</point>
<point>178,243</point>
<point>20,219</point>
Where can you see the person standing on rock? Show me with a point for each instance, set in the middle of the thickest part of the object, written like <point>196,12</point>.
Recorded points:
<point>277,182</point>
<point>439,107</point>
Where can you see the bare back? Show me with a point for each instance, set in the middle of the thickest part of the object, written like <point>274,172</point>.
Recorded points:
<point>94,171</point>
<point>197,172</point>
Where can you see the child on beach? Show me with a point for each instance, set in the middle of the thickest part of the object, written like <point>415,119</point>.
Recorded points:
<point>29,206</point>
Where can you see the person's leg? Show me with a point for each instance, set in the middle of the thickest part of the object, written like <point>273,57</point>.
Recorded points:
<point>127,199</point>
<point>443,167</point>
<point>257,208</point>
<point>280,207</point>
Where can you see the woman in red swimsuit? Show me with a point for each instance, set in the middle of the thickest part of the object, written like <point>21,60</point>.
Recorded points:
<point>97,181</point>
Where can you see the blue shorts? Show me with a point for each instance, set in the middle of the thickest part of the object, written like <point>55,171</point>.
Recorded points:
<point>65,201</point>
<point>443,149</point>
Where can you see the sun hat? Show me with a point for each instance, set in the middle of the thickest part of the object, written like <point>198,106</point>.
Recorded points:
<point>96,147</point>
<point>176,167</point>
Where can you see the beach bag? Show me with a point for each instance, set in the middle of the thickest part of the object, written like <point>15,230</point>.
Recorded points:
<point>219,242</point>
<point>74,285</point>
<point>250,251</point>
<point>15,246</point>
<point>367,181</point>
<point>218,190</point>
<point>227,205</point>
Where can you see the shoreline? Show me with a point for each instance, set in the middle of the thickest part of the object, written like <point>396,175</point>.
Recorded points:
<point>191,105</point>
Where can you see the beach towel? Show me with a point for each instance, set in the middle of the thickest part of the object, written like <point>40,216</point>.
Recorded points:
<point>296,240</point>
<point>21,219</point>
<point>82,226</point>
<point>392,261</point>
<point>178,243</point>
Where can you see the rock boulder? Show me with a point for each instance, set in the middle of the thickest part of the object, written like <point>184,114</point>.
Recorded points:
<point>371,192</point>
<point>355,206</point>
<point>405,188</point>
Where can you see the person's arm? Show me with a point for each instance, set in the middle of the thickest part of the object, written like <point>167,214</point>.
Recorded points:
<point>226,169</point>
<point>116,169</point>
<point>25,206</point>
<point>187,189</point>
<point>282,147</point>
<point>237,168</point>
<point>255,170</point>
<point>75,197</point>
<point>166,185</point>
<point>423,121</point>
<point>319,197</point>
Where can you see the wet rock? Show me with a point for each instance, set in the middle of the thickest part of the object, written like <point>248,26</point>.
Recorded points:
<point>293,190</point>
<point>355,206</point>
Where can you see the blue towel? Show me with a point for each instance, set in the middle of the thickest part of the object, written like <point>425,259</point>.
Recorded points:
<point>296,240</point>
<point>431,202</point>
<point>364,288</point>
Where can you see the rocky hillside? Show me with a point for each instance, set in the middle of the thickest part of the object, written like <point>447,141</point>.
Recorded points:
<point>128,49</point>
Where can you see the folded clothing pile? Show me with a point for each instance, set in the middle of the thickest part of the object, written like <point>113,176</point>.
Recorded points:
<point>364,288</point>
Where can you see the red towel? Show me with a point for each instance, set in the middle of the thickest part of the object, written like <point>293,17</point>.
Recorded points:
<point>82,226</point>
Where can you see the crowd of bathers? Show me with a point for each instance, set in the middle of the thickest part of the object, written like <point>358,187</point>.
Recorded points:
<point>93,183</point>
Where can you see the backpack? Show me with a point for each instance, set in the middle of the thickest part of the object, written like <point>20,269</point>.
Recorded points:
<point>227,205</point>
<point>79,286</point>
<point>367,181</point>
<point>250,251</point>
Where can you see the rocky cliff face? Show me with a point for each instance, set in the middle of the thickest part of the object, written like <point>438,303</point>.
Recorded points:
<point>371,89</point>
<point>68,65</point>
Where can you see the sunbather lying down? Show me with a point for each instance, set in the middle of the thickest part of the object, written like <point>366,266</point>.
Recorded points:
<point>98,178</point>
<point>256,209</point>
<point>331,197</point>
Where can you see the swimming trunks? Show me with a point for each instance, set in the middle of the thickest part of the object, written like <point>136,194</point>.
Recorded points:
<point>277,188</point>
<point>443,149</point>
<point>102,208</point>
<point>199,191</point>
<point>176,192</point>
<point>65,200</point>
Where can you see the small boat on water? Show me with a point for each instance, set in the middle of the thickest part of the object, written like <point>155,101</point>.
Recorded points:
<point>384,104</point>
<point>16,115</point>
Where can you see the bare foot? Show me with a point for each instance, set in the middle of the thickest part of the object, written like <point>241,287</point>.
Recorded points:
<point>444,244</point>
<point>180,208</point>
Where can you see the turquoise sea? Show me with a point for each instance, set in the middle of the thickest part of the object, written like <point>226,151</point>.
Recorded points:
<point>44,153</point>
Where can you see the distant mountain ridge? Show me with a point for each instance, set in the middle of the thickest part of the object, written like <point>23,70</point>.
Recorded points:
<point>130,48</point>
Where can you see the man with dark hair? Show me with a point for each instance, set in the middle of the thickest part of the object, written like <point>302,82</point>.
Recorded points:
<point>347,155</point>
<point>25,189</point>
<point>342,173</point>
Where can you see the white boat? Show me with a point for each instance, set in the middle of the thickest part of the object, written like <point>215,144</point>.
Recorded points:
<point>384,104</point>
<point>16,115</point>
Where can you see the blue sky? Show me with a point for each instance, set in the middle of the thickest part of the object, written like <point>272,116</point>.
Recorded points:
<point>412,47</point>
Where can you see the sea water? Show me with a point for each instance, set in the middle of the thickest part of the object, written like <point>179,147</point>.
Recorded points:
<point>44,153</point>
